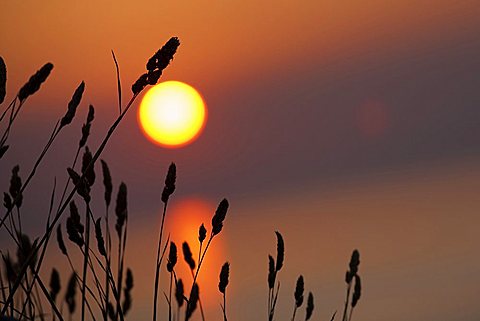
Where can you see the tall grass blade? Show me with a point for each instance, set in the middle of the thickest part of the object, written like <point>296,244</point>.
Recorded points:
<point>119,84</point>
<point>3,80</point>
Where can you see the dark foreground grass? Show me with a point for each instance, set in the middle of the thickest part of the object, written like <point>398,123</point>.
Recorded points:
<point>101,288</point>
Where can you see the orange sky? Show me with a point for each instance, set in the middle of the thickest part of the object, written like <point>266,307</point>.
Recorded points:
<point>222,43</point>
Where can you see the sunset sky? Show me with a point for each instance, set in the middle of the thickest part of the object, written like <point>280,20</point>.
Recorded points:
<point>342,124</point>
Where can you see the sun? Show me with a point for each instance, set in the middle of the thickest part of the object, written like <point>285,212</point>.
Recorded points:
<point>172,114</point>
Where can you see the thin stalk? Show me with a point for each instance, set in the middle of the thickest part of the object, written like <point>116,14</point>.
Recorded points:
<point>19,221</point>
<point>294,312</point>
<point>80,281</point>
<point>119,278</point>
<point>100,290</point>
<point>44,240</point>
<point>85,259</point>
<point>107,263</point>
<point>200,252</point>
<point>333,316</point>
<point>28,295</point>
<point>112,282</point>
<point>158,263</point>
<point>9,291</point>
<point>17,311</point>
<point>200,264</point>
<point>12,231</point>
<point>199,300</point>
<point>344,317</point>
<point>201,259</point>
<point>13,102</point>
<point>225,305</point>
<point>47,296</point>
<point>54,134</point>
<point>69,179</point>
<point>274,300</point>
<point>351,312</point>
<point>13,115</point>
<point>28,302</point>
<point>40,307</point>
<point>119,85</point>
<point>122,244</point>
<point>269,303</point>
<point>170,298</point>
<point>2,287</point>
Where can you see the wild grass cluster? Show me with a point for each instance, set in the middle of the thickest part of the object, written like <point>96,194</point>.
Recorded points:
<point>101,287</point>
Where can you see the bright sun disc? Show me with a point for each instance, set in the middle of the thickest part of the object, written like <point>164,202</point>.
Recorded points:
<point>172,114</point>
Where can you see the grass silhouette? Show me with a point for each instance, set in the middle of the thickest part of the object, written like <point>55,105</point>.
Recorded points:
<point>102,289</point>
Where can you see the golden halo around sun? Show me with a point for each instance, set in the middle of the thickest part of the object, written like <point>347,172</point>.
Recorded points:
<point>172,114</point>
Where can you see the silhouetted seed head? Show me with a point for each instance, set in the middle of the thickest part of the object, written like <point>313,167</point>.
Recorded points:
<point>162,57</point>
<point>354,262</point>
<point>202,233</point>
<point>89,171</point>
<point>357,291</point>
<point>129,280</point>
<point>83,188</point>
<point>152,62</point>
<point>10,268</point>
<point>85,134</point>
<point>74,226</point>
<point>127,302</point>
<point>299,292</point>
<point>3,80</point>
<point>223,283</point>
<point>310,306</point>
<point>99,237</point>
<point>121,208</point>
<point>75,217</point>
<point>153,76</point>
<point>156,64</point>
<point>24,250</point>
<point>187,255</point>
<point>91,114</point>
<point>70,293</point>
<point>72,105</point>
<point>54,284</point>
<point>61,244</point>
<point>169,182</point>
<point>219,217</point>
<point>16,186</point>
<point>3,150</point>
<point>111,311</point>
<point>33,84</point>
<point>280,251</point>
<point>179,292</point>
<point>172,257</point>
<point>73,234</point>
<point>7,201</point>
<point>86,126</point>
<point>271,272</point>
<point>107,182</point>
<point>140,84</point>
<point>192,302</point>
<point>348,277</point>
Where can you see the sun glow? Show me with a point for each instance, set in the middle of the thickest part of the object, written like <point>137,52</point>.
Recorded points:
<point>185,217</point>
<point>172,114</point>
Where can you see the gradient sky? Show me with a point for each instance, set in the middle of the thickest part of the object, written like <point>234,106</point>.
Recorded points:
<point>343,124</point>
